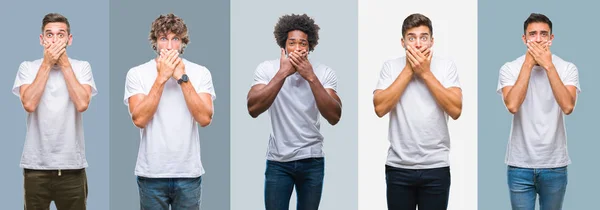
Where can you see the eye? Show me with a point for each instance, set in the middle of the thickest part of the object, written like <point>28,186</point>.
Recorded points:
<point>49,35</point>
<point>176,39</point>
<point>424,38</point>
<point>304,44</point>
<point>163,39</point>
<point>411,39</point>
<point>61,35</point>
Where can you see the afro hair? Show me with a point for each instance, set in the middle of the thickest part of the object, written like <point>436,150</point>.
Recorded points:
<point>294,22</point>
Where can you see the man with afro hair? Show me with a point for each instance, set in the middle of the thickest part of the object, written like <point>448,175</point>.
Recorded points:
<point>295,90</point>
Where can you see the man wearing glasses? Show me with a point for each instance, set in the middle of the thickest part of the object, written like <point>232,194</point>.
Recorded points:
<point>419,91</point>
<point>539,89</point>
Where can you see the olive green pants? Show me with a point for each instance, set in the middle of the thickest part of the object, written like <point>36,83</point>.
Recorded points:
<point>67,188</point>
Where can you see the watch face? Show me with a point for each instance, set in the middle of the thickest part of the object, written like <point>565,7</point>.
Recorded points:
<point>184,77</point>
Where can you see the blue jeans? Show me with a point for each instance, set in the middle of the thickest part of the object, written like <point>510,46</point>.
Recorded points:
<point>526,183</point>
<point>426,188</point>
<point>159,193</point>
<point>281,177</point>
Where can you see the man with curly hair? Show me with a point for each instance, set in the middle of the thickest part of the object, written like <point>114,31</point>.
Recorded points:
<point>419,91</point>
<point>168,97</point>
<point>55,91</point>
<point>295,90</point>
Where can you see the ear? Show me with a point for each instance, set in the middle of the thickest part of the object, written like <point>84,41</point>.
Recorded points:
<point>551,39</point>
<point>402,43</point>
<point>70,42</point>
<point>524,39</point>
<point>432,41</point>
<point>42,39</point>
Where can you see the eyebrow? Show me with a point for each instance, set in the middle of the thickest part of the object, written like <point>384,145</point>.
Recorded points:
<point>413,34</point>
<point>48,30</point>
<point>543,31</point>
<point>293,39</point>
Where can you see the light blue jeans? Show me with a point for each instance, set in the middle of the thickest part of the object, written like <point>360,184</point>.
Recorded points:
<point>526,183</point>
<point>179,193</point>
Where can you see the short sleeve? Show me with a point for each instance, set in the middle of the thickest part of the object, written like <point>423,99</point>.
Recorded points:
<point>85,77</point>
<point>205,85</point>
<point>572,77</point>
<point>385,77</point>
<point>330,80</point>
<point>24,77</point>
<point>451,79</point>
<point>133,85</point>
<point>260,75</point>
<point>506,78</point>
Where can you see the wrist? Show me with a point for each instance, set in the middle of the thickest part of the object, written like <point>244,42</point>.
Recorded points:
<point>311,77</point>
<point>426,75</point>
<point>549,67</point>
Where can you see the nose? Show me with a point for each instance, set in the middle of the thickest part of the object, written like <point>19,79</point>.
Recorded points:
<point>169,45</point>
<point>418,44</point>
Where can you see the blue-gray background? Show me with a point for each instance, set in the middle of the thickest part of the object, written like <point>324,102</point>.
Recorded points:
<point>500,30</point>
<point>208,26</point>
<point>22,22</point>
<point>252,42</point>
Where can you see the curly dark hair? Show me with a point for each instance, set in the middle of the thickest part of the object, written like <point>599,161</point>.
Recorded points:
<point>169,23</point>
<point>294,22</point>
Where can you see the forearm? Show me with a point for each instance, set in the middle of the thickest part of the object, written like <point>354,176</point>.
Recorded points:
<point>517,93</point>
<point>200,109</point>
<point>387,99</point>
<point>78,94</point>
<point>31,96</point>
<point>259,100</point>
<point>565,100</point>
<point>328,106</point>
<point>450,102</point>
<point>144,111</point>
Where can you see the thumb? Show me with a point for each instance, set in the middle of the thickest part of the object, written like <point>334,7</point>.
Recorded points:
<point>282,53</point>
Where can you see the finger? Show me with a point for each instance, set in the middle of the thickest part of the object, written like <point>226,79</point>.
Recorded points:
<point>411,58</point>
<point>172,56</point>
<point>430,54</point>
<point>294,56</point>
<point>410,61</point>
<point>294,63</point>
<point>60,52</point>
<point>426,52</point>
<point>531,48</point>
<point>178,61</point>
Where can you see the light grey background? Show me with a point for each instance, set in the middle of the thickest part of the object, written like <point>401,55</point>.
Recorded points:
<point>500,30</point>
<point>208,26</point>
<point>22,22</point>
<point>252,42</point>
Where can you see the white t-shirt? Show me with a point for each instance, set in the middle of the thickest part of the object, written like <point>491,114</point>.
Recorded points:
<point>418,129</point>
<point>538,137</point>
<point>294,114</point>
<point>170,142</point>
<point>54,138</point>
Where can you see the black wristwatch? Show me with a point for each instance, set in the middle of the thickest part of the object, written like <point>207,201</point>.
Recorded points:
<point>184,78</point>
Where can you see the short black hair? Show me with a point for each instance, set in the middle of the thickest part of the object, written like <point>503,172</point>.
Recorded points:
<point>294,22</point>
<point>416,20</point>
<point>537,18</point>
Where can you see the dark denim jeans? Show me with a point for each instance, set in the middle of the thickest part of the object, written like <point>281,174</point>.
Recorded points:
<point>281,177</point>
<point>179,193</point>
<point>409,188</point>
<point>526,183</point>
